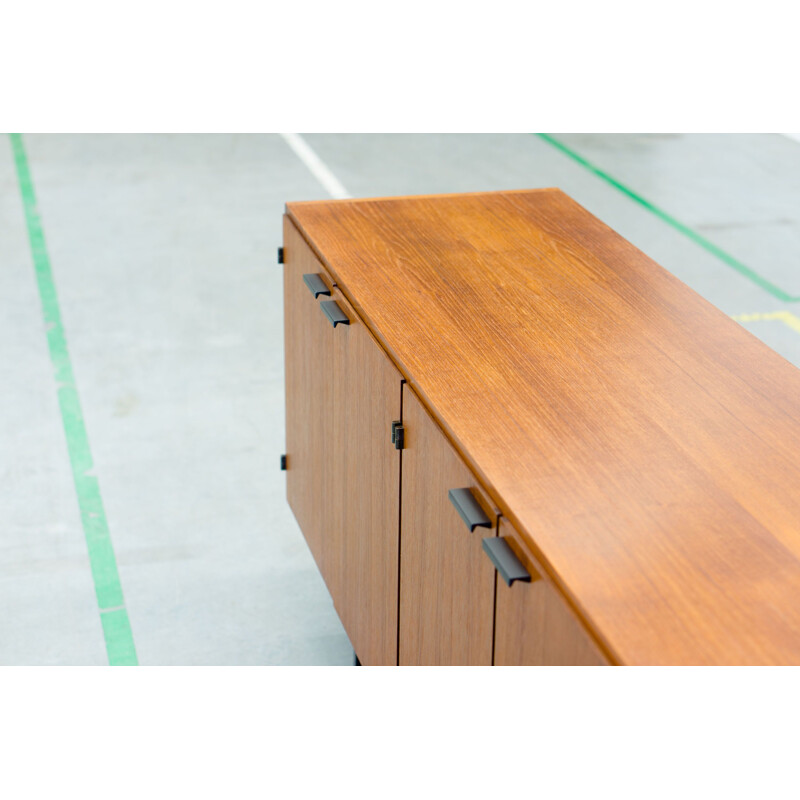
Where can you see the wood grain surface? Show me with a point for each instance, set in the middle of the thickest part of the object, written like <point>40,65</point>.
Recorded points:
<point>644,445</point>
<point>533,626</point>
<point>446,582</point>
<point>308,348</point>
<point>343,476</point>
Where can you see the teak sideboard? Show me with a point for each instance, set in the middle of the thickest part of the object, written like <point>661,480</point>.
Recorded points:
<point>513,438</point>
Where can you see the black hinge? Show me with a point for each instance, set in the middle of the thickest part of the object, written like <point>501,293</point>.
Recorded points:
<point>398,435</point>
<point>280,255</point>
<point>283,462</point>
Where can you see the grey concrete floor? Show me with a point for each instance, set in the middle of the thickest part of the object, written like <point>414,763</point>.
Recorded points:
<point>163,254</point>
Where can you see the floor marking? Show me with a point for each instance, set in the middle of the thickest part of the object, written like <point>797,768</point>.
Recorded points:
<point>726,258</point>
<point>786,317</point>
<point>108,589</point>
<point>316,166</point>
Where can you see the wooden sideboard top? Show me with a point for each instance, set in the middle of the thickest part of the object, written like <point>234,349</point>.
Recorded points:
<point>645,445</point>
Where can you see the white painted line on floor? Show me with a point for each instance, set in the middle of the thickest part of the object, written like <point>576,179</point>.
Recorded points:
<point>315,165</point>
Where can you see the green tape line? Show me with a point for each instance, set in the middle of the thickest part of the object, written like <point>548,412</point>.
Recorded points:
<point>114,618</point>
<point>119,638</point>
<point>726,258</point>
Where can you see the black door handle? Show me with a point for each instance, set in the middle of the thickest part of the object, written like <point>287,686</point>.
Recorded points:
<point>316,284</point>
<point>505,560</point>
<point>334,313</point>
<point>469,509</point>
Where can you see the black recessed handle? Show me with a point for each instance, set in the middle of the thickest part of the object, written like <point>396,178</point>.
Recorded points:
<point>334,313</point>
<point>316,284</point>
<point>469,509</point>
<point>505,560</point>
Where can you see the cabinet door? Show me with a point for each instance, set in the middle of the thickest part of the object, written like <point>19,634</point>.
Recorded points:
<point>446,583</point>
<point>533,624</point>
<point>343,472</point>
<point>308,345</point>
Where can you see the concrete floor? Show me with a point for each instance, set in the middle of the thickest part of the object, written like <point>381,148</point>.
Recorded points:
<point>163,253</point>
